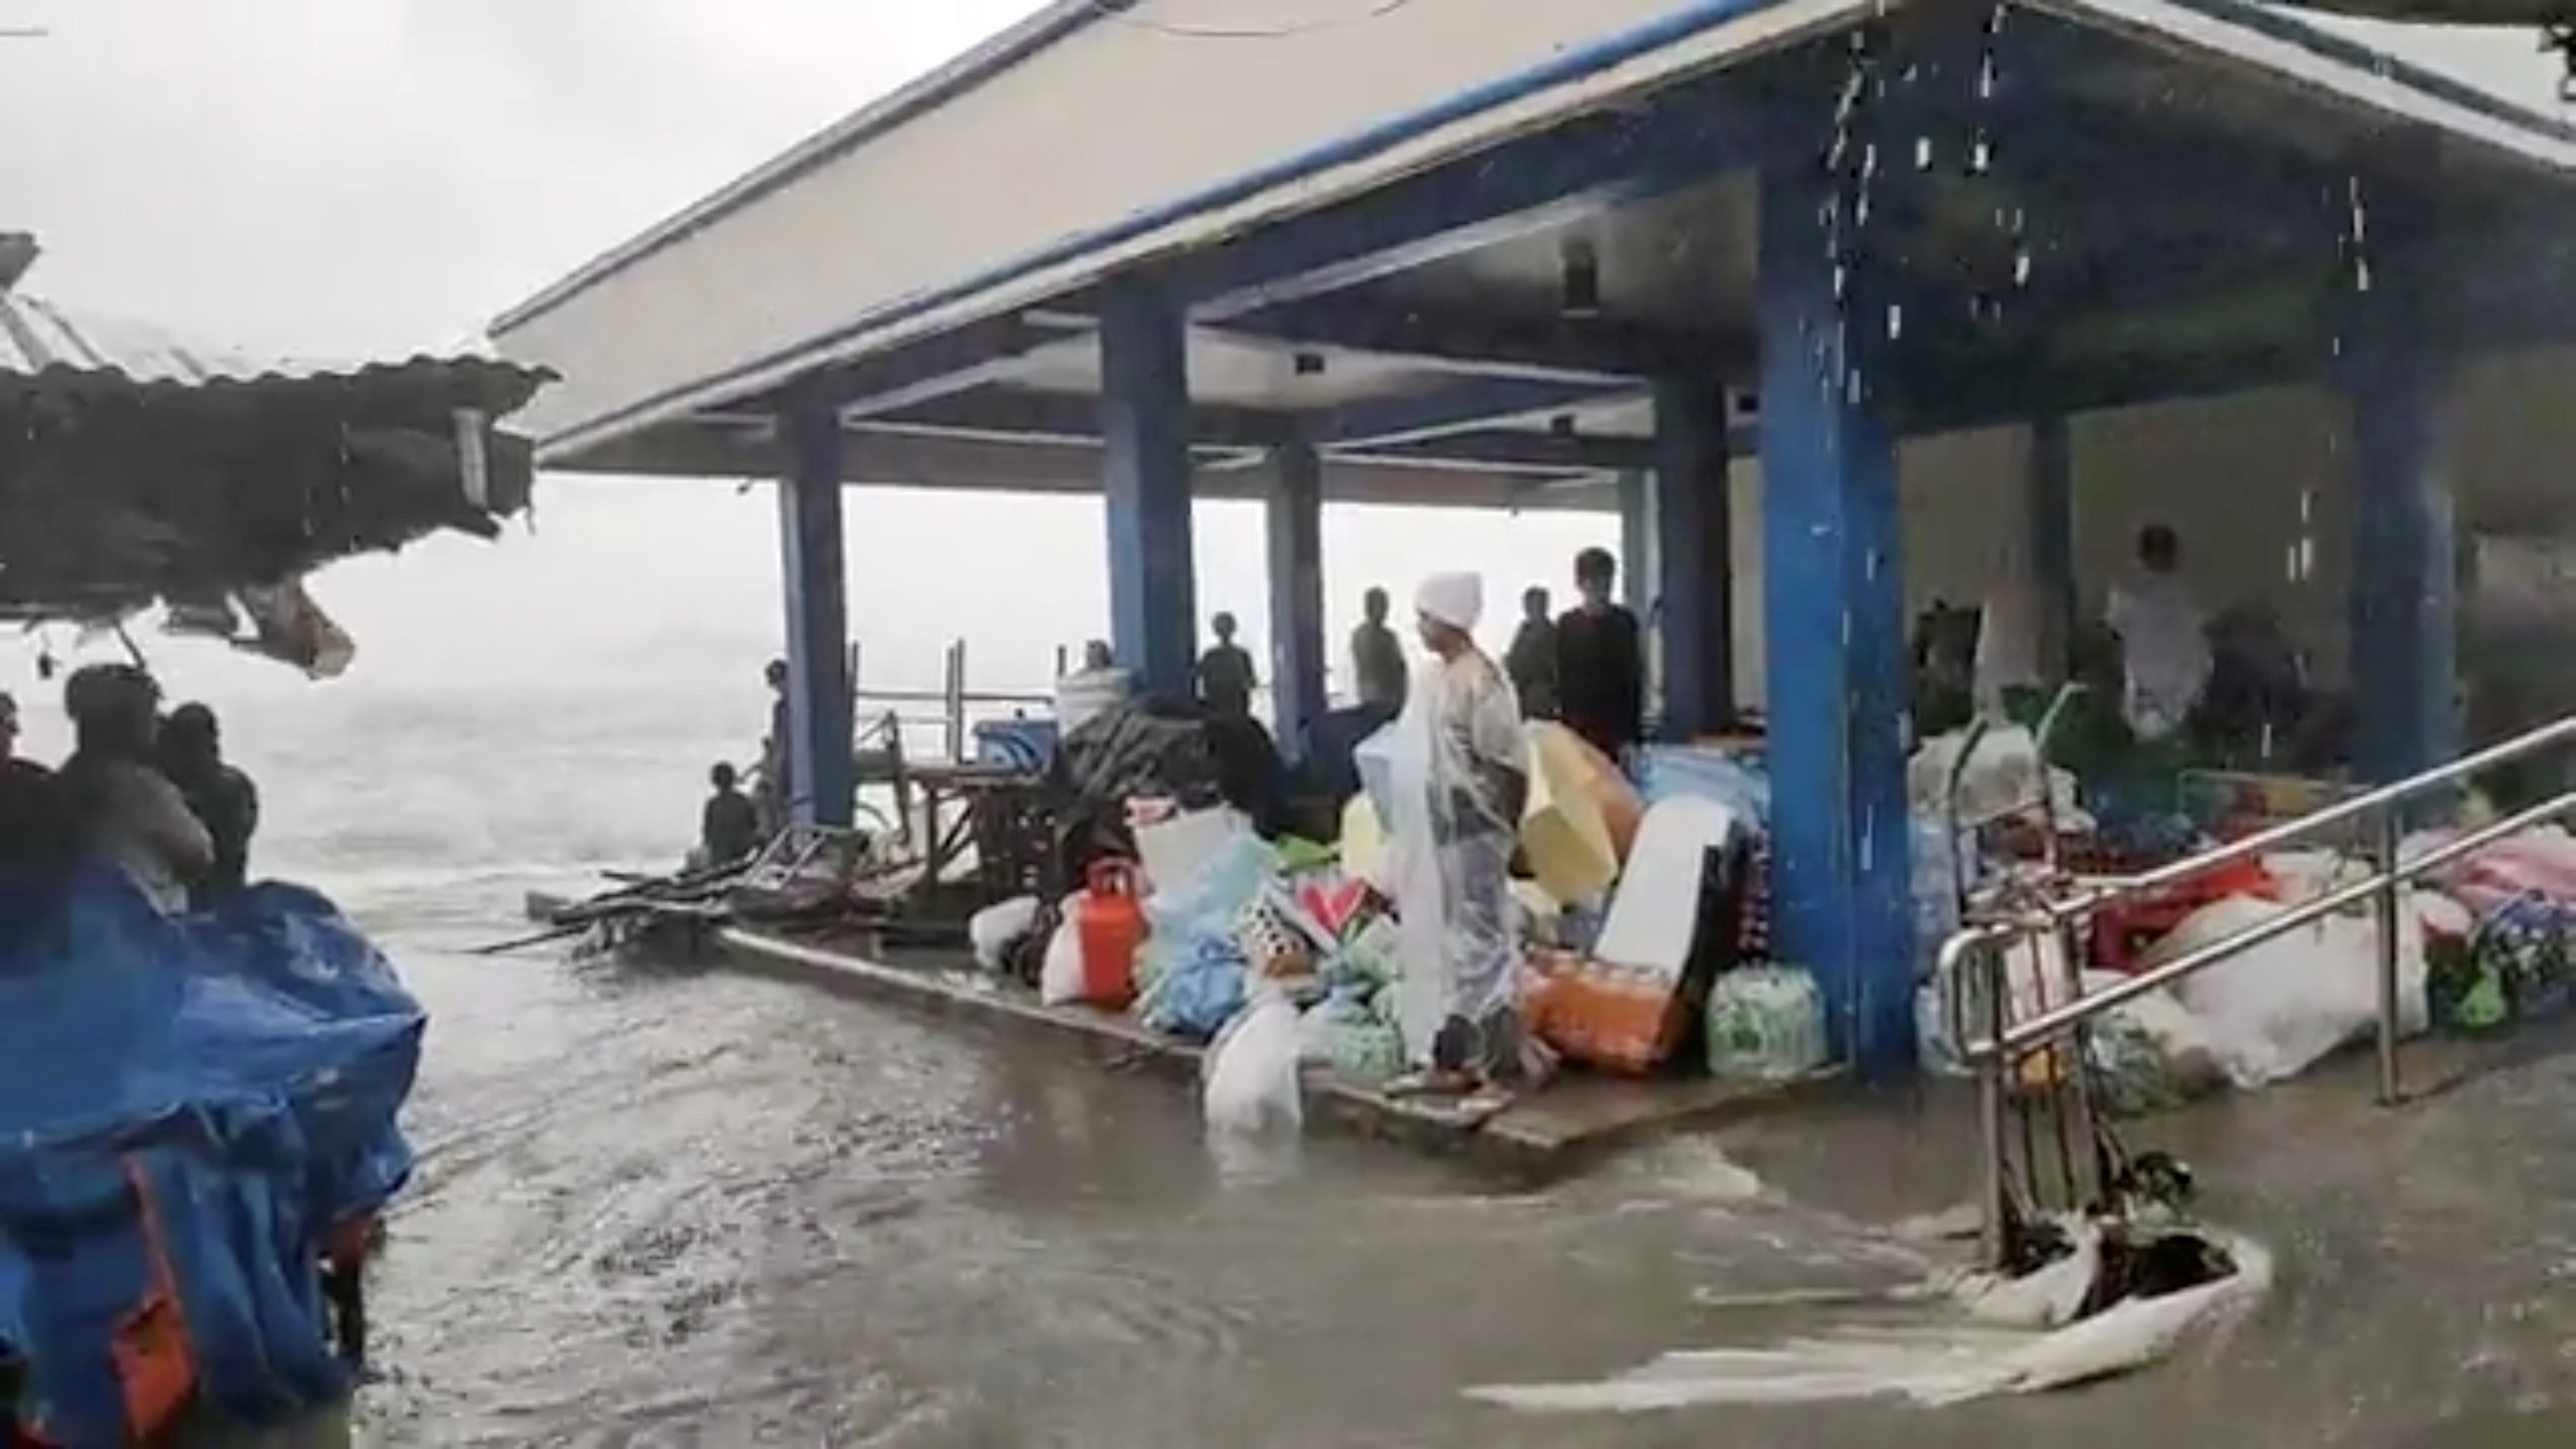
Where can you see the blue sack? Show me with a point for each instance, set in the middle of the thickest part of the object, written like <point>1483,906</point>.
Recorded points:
<point>189,1106</point>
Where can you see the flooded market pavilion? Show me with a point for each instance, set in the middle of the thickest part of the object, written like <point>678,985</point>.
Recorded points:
<point>1843,306</point>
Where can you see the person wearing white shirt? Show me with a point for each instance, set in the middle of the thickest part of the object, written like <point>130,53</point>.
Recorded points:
<point>2163,636</point>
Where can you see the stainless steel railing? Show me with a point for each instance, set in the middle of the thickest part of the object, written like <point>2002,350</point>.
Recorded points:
<point>886,713</point>
<point>1997,1053</point>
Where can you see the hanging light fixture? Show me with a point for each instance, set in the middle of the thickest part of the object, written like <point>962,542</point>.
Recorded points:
<point>1579,279</point>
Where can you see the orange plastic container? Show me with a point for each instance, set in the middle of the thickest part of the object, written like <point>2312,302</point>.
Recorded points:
<point>1109,921</point>
<point>1617,1019</point>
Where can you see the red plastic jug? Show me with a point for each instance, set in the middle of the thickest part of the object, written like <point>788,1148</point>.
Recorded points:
<point>1109,922</point>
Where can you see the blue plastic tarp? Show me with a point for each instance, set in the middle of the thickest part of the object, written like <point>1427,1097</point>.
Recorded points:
<point>246,1065</point>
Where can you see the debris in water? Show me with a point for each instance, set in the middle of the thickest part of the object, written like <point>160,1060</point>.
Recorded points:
<point>2112,1305</point>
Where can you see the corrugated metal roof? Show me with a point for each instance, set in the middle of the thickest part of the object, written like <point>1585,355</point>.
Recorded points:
<point>44,343</point>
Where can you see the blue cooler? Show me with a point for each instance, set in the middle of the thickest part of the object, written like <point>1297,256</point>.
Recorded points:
<point>1025,745</point>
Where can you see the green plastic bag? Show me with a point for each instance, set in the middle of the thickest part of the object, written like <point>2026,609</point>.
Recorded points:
<point>1766,1024</point>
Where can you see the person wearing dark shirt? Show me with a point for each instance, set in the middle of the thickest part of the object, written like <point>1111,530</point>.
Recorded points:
<point>1377,656</point>
<point>1531,661</point>
<point>122,808</point>
<point>1226,678</point>
<point>221,797</point>
<point>1600,661</point>
<point>729,829</point>
<point>32,828</point>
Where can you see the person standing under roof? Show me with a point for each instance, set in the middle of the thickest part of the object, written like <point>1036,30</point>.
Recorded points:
<point>1226,676</point>
<point>1600,661</point>
<point>1531,661</point>
<point>1455,843</point>
<point>221,797</point>
<point>1377,656</point>
<point>773,793</point>
<point>121,808</point>
<point>2163,636</point>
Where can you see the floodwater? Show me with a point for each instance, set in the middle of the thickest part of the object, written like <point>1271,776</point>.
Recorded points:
<point>689,1208</point>
<point>675,1209</point>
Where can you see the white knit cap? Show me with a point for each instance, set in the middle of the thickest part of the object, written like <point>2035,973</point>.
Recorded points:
<point>1457,600</point>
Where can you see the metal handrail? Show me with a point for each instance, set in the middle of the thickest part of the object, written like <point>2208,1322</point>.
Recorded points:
<point>2003,1042</point>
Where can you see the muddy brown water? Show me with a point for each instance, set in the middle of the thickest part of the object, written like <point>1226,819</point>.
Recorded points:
<point>683,1208</point>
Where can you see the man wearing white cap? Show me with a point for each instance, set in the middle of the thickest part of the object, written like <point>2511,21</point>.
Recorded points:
<point>1454,896</point>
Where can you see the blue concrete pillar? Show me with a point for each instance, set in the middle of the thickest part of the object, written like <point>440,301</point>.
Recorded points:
<point>1296,539</point>
<point>820,737</point>
<point>1638,566</point>
<point>1834,615</point>
<point>2404,605</point>
<point>2052,540</point>
<point>1693,551</point>
<point>1145,461</point>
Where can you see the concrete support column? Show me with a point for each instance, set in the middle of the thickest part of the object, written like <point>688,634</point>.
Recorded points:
<point>2052,541</point>
<point>1145,458</point>
<point>1640,579</point>
<point>1296,542</point>
<point>821,732</point>
<point>1693,551</point>
<point>2404,608</point>
<point>1834,611</point>
<point>1639,569</point>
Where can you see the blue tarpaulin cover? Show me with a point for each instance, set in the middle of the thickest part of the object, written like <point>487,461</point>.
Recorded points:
<point>244,1067</point>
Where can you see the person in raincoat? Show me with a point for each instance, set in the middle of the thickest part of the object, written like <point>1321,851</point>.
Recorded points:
<point>1458,839</point>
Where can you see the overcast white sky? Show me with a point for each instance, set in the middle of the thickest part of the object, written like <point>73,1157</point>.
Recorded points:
<point>348,176</point>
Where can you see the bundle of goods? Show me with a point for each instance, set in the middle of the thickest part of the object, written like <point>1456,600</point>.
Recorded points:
<point>1672,929</point>
<point>1766,1024</point>
<point>2121,932</point>
<point>200,1111</point>
<point>2516,957</point>
<point>1122,752</point>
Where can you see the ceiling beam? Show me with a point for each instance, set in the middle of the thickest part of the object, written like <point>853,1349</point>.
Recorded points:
<point>1690,133</point>
<point>1564,349</point>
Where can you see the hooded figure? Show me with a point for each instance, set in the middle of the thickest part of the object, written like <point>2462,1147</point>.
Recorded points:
<point>1459,790</point>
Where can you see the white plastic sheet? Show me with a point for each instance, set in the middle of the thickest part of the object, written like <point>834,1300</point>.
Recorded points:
<point>1954,1341</point>
<point>2003,774</point>
<point>1449,843</point>
<point>2272,1012</point>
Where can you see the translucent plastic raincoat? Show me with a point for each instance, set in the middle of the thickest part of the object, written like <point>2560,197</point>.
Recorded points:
<point>1459,779</point>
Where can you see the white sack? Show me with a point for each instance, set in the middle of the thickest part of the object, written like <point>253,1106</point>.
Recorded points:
<point>1252,1084</point>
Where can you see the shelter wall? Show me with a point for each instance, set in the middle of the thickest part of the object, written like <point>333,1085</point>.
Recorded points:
<point>2229,475</point>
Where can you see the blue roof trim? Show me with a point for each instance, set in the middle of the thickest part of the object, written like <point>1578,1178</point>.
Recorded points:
<point>926,93</point>
<point>1570,65</point>
<point>2346,51</point>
